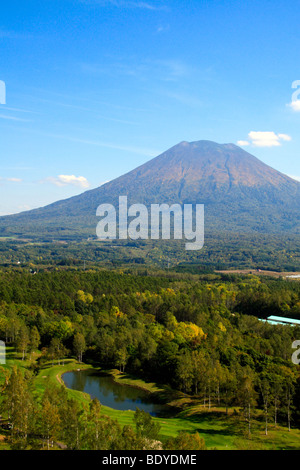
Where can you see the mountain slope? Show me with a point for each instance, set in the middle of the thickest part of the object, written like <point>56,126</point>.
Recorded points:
<point>240,193</point>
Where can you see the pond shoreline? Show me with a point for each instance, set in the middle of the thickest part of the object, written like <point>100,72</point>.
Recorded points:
<point>112,393</point>
<point>161,394</point>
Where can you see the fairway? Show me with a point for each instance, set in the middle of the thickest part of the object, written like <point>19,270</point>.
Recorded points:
<point>219,431</point>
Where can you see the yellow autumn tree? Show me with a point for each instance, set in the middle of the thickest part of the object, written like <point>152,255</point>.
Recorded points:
<point>189,331</point>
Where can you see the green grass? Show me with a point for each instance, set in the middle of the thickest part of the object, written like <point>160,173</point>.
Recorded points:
<point>220,431</point>
<point>125,379</point>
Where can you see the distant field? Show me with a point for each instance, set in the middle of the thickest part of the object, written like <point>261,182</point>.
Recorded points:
<point>285,275</point>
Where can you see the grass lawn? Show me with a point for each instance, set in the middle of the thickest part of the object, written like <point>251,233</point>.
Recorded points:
<point>220,431</point>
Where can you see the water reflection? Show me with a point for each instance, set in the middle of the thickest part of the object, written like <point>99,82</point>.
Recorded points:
<point>110,393</point>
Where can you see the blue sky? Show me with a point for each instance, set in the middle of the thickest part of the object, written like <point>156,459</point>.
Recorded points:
<point>95,88</point>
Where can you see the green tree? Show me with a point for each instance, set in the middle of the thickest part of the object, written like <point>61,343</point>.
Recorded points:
<point>55,350</point>
<point>49,421</point>
<point>265,390</point>
<point>34,339</point>
<point>184,371</point>
<point>121,358</point>
<point>18,405</point>
<point>71,426</point>
<point>146,426</point>
<point>186,441</point>
<point>288,390</point>
<point>95,425</point>
<point>79,346</point>
<point>22,340</point>
<point>246,394</point>
<point>128,440</point>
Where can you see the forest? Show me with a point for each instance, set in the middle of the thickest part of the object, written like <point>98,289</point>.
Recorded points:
<point>222,250</point>
<point>203,335</point>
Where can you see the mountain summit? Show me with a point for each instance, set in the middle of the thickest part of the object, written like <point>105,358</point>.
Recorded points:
<point>240,193</point>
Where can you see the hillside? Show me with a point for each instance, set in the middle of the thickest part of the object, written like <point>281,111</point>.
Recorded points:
<point>240,193</point>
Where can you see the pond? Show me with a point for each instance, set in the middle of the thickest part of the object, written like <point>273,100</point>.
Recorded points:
<point>112,394</point>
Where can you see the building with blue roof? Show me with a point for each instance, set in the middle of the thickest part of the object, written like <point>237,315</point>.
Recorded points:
<point>274,320</point>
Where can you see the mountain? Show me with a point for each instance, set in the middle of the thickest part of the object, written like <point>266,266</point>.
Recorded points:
<point>240,194</point>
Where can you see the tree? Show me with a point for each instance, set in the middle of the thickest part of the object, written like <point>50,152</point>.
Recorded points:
<point>55,350</point>
<point>128,439</point>
<point>18,405</point>
<point>199,364</point>
<point>229,386</point>
<point>49,421</point>
<point>121,358</point>
<point>79,346</point>
<point>146,427</point>
<point>71,431</point>
<point>277,390</point>
<point>246,394</point>
<point>265,389</point>
<point>22,341</point>
<point>184,371</point>
<point>186,441</point>
<point>288,389</point>
<point>95,424</point>
<point>34,339</point>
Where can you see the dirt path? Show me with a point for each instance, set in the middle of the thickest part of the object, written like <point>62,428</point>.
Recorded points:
<point>60,380</point>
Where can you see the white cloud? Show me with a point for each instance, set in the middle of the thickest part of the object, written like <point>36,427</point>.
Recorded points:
<point>11,180</point>
<point>24,207</point>
<point>265,139</point>
<point>295,105</point>
<point>243,143</point>
<point>64,180</point>
<point>163,29</point>
<point>285,137</point>
<point>14,180</point>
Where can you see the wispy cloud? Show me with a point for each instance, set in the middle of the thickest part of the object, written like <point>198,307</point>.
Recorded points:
<point>16,209</point>
<point>127,4</point>
<point>90,110</point>
<point>172,68</point>
<point>66,180</point>
<point>14,180</point>
<point>184,98</point>
<point>265,139</point>
<point>98,143</point>
<point>17,168</point>
<point>10,180</point>
<point>13,118</point>
<point>126,148</point>
<point>143,69</point>
<point>18,110</point>
<point>162,28</point>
